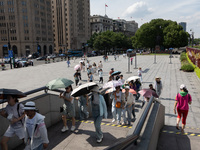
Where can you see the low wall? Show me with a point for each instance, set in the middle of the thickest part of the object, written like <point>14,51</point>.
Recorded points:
<point>150,132</point>
<point>48,105</point>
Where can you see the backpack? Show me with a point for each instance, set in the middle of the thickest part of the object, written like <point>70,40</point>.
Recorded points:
<point>19,114</point>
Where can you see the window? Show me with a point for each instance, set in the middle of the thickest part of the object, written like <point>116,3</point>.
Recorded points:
<point>1,3</point>
<point>23,3</point>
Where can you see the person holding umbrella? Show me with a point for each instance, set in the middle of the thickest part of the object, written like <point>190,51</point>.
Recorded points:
<point>99,109</point>
<point>15,114</point>
<point>68,107</point>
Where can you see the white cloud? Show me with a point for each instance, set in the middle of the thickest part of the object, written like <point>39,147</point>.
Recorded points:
<point>137,10</point>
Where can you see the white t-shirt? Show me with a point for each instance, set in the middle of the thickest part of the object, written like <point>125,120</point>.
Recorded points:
<point>139,72</point>
<point>30,125</point>
<point>12,111</point>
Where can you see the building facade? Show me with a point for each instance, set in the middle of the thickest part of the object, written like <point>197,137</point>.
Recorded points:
<point>71,24</point>
<point>100,24</point>
<point>129,28</point>
<point>183,24</point>
<point>27,25</point>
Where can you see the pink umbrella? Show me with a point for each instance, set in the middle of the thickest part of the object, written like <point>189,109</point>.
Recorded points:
<point>77,67</point>
<point>148,93</point>
<point>130,90</point>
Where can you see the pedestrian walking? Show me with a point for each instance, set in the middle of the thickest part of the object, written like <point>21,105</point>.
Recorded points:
<point>15,114</point>
<point>100,65</point>
<point>119,100</point>
<point>68,62</point>
<point>36,137</point>
<point>99,110</point>
<point>101,76</point>
<point>90,77</point>
<point>76,77</point>
<point>140,73</point>
<point>131,60</point>
<point>128,103</point>
<point>83,103</point>
<point>158,86</point>
<point>183,98</point>
<point>68,108</point>
<point>121,79</point>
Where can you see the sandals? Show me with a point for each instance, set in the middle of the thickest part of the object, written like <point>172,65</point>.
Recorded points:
<point>177,127</point>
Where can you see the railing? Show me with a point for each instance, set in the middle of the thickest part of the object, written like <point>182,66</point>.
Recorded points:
<point>136,134</point>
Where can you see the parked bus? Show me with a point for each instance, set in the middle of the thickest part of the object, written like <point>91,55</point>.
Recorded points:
<point>75,53</point>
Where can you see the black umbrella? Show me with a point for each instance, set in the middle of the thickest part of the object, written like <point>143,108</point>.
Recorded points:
<point>83,89</point>
<point>115,73</point>
<point>5,92</point>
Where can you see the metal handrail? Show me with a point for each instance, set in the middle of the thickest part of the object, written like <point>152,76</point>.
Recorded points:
<point>37,90</point>
<point>136,134</point>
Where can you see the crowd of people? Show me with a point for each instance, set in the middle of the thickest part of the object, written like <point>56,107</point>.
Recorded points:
<point>29,126</point>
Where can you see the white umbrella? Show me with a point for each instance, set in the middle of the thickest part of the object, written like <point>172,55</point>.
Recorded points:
<point>133,78</point>
<point>77,67</point>
<point>83,89</point>
<point>113,83</point>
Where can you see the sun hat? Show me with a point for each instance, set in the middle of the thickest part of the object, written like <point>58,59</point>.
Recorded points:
<point>182,86</point>
<point>158,77</point>
<point>127,87</point>
<point>29,106</point>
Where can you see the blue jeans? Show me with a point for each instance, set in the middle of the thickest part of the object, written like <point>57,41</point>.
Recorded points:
<point>118,112</point>
<point>40,147</point>
<point>82,111</point>
<point>128,110</point>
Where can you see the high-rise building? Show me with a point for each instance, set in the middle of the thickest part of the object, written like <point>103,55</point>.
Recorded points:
<point>27,25</point>
<point>183,24</point>
<point>71,24</point>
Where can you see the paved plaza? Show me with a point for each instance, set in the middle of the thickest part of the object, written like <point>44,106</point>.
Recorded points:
<point>29,78</point>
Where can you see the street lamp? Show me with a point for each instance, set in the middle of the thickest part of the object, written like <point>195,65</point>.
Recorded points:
<point>9,47</point>
<point>158,44</point>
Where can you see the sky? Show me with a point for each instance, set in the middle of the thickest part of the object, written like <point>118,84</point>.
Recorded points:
<point>144,11</point>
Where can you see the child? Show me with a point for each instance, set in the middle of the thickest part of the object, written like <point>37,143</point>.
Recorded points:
<point>83,103</point>
<point>90,77</point>
<point>101,76</point>
<point>140,74</point>
<point>76,75</point>
<point>68,63</point>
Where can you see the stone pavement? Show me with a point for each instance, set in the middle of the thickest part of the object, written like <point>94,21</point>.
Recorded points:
<point>26,79</point>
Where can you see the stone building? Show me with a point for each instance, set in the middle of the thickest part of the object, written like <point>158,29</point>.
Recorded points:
<point>27,24</point>
<point>101,24</point>
<point>71,24</point>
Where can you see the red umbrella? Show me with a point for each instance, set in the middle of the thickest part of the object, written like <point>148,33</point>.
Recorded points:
<point>130,90</point>
<point>148,93</point>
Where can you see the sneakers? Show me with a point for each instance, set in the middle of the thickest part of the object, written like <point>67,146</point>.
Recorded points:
<point>100,140</point>
<point>73,128</point>
<point>64,129</point>
<point>118,122</point>
<point>113,120</point>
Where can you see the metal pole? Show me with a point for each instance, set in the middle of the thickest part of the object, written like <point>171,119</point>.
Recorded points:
<point>170,57</point>
<point>128,65</point>
<point>135,60</point>
<point>155,57</point>
<point>9,46</point>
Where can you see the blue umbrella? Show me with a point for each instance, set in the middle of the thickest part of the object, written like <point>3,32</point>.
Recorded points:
<point>115,73</point>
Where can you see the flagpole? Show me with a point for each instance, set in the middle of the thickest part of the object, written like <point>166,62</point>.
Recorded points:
<point>105,9</point>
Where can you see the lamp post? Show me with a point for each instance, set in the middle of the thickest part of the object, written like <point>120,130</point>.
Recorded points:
<point>9,46</point>
<point>158,44</point>
<point>170,55</point>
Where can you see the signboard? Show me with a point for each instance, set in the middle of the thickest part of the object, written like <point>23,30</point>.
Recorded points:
<point>10,53</point>
<point>131,54</point>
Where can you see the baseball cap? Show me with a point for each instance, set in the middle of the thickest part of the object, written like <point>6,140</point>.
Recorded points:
<point>182,86</point>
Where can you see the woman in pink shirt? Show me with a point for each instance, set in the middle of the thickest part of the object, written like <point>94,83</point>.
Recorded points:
<point>181,104</point>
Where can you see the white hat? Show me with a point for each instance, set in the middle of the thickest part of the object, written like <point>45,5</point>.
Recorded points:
<point>127,87</point>
<point>29,106</point>
<point>182,86</point>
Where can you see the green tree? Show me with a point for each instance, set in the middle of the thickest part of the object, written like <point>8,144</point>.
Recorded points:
<point>91,40</point>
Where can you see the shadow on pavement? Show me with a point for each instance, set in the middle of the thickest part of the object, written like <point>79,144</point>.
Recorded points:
<point>169,140</point>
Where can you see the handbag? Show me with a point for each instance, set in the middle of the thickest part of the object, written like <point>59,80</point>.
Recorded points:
<point>61,109</point>
<point>118,105</point>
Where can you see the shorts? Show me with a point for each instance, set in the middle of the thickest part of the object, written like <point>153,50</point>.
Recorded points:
<point>70,111</point>
<point>10,132</point>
